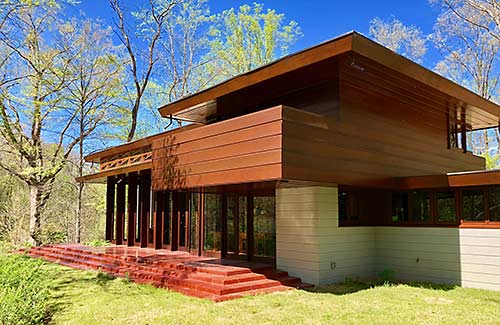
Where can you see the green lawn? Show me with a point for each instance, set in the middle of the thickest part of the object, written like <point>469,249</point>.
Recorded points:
<point>85,297</point>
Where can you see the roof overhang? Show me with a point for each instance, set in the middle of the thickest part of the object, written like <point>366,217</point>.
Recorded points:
<point>451,180</point>
<point>199,106</point>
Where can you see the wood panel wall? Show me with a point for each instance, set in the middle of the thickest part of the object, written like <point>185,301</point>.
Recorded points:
<point>240,150</point>
<point>374,136</point>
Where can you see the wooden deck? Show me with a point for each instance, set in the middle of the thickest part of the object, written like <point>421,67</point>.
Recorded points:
<point>197,276</point>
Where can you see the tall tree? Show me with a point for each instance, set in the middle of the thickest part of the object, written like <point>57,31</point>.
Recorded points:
<point>468,35</point>
<point>248,38</point>
<point>33,113</point>
<point>409,41</point>
<point>140,31</point>
<point>94,90</point>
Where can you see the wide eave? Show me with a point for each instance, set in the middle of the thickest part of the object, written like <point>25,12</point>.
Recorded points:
<point>480,112</point>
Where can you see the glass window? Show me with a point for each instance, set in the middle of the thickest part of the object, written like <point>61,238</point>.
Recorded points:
<point>399,207</point>
<point>213,222</point>
<point>194,220</point>
<point>445,201</point>
<point>167,217</point>
<point>264,226</point>
<point>494,203</point>
<point>342,206</point>
<point>473,205</point>
<point>421,206</point>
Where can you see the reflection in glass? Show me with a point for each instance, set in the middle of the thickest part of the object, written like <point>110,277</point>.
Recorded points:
<point>264,226</point>
<point>213,222</point>
<point>421,206</point>
<point>446,206</point>
<point>473,205</point>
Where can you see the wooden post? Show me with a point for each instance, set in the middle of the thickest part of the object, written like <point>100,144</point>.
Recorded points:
<point>132,207</point>
<point>224,226</point>
<point>250,232</point>
<point>120,211</point>
<point>174,238</point>
<point>144,211</point>
<point>159,211</point>
<point>110,207</point>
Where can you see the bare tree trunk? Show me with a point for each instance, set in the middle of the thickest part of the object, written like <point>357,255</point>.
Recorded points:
<point>79,213</point>
<point>36,205</point>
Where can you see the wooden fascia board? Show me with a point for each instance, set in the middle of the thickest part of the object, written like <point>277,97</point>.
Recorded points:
<point>113,172</point>
<point>376,52</point>
<point>134,145</point>
<point>481,178</point>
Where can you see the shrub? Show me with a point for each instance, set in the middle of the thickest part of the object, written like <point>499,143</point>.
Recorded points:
<point>24,294</point>
<point>98,242</point>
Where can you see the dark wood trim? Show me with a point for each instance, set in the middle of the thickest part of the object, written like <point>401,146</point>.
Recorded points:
<point>144,211</point>
<point>250,227</point>
<point>224,226</point>
<point>159,210</point>
<point>132,207</point>
<point>174,236</point>
<point>120,210</point>
<point>110,208</point>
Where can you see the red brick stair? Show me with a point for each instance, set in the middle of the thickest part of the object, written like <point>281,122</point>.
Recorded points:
<point>179,271</point>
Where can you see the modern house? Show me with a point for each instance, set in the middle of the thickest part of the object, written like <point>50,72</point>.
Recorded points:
<point>340,161</point>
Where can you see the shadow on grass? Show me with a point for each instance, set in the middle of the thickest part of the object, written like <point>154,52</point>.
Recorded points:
<point>353,286</point>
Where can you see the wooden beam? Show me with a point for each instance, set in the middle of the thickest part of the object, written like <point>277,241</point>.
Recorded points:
<point>114,172</point>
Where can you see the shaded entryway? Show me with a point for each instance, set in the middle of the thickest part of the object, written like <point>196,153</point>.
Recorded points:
<point>203,277</point>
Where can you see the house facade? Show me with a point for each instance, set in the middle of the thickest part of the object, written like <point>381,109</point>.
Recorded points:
<point>341,161</point>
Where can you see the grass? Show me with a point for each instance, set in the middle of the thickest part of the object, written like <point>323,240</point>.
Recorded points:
<point>86,297</point>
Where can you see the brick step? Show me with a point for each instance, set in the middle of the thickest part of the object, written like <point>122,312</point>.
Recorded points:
<point>77,261</point>
<point>224,280</point>
<point>221,289</point>
<point>216,269</point>
<point>179,272</point>
<point>251,293</point>
<point>82,255</point>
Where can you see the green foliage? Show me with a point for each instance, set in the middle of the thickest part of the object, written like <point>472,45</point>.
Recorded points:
<point>250,37</point>
<point>98,243</point>
<point>387,275</point>
<point>491,160</point>
<point>24,294</point>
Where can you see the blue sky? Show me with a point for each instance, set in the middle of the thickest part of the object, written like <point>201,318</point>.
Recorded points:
<point>323,19</point>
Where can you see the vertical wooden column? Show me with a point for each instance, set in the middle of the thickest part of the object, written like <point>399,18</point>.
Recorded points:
<point>144,210</point>
<point>224,226</point>
<point>120,211</point>
<point>176,210</point>
<point>110,207</point>
<point>158,217</point>
<point>250,232</point>
<point>201,222</point>
<point>132,207</point>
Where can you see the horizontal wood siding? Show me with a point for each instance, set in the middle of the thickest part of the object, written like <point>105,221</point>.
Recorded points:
<point>369,140</point>
<point>468,257</point>
<point>309,242</point>
<point>240,150</point>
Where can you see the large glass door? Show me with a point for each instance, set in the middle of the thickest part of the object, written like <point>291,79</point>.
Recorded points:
<point>180,221</point>
<point>264,226</point>
<point>236,216</point>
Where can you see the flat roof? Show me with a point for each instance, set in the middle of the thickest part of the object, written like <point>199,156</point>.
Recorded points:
<point>351,42</point>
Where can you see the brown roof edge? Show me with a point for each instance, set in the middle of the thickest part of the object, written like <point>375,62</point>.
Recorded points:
<point>352,41</point>
<point>100,177</point>
<point>384,56</point>
<point>316,53</point>
<point>133,145</point>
